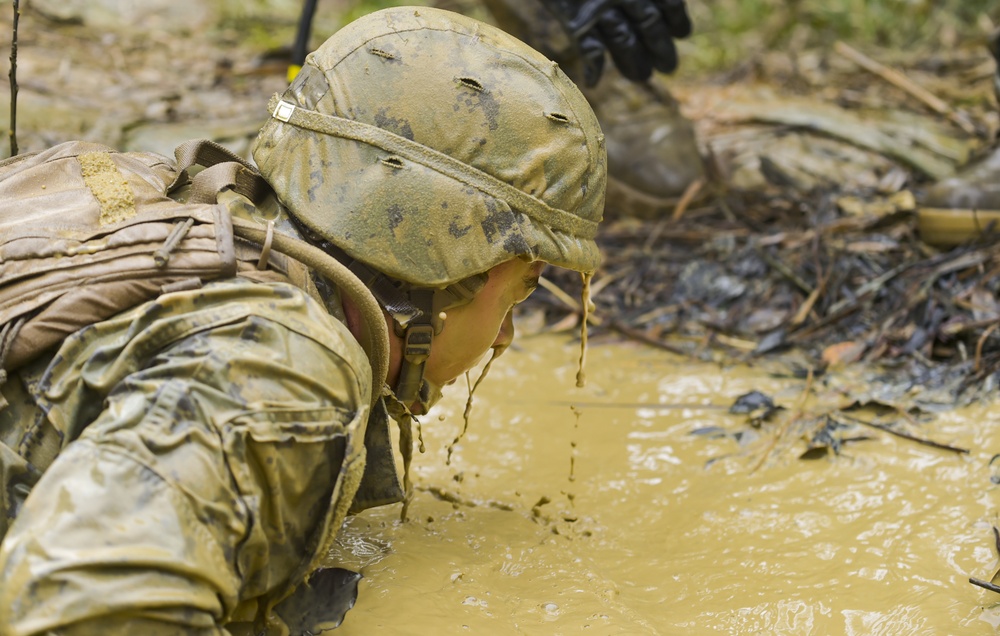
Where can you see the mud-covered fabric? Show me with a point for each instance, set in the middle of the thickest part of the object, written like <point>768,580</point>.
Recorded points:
<point>209,444</point>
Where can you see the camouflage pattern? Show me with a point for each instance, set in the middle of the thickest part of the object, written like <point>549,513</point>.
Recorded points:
<point>229,421</point>
<point>653,153</point>
<point>182,466</point>
<point>450,88</point>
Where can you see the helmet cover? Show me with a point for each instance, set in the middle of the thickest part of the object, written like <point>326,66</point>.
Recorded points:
<point>433,147</point>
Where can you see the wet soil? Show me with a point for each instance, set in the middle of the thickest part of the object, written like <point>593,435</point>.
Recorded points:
<point>641,505</point>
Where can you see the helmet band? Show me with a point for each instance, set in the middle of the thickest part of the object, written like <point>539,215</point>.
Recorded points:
<point>520,201</point>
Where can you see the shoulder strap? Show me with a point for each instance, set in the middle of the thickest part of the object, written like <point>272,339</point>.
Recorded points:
<point>247,182</point>
<point>227,170</point>
<point>376,340</point>
<point>223,169</point>
<point>203,152</point>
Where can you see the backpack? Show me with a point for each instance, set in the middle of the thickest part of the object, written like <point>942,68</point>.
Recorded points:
<point>87,232</point>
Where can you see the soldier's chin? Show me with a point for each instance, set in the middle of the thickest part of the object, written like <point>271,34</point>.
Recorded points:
<point>430,394</point>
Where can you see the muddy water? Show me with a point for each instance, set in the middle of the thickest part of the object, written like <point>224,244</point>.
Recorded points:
<point>596,510</point>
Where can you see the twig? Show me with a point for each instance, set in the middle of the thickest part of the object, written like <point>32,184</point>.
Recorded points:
<point>785,271</point>
<point>903,82</point>
<point>912,438</point>
<point>12,74</point>
<point>869,287</point>
<point>569,301</point>
<point>986,585</point>
<point>979,345</point>
<point>557,291</point>
<point>690,192</point>
<point>641,337</point>
<point>843,307</point>
<point>784,429</point>
<point>806,308</point>
<point>687,197</point>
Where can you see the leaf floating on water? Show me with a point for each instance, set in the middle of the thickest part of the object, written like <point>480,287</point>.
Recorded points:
<point>751,401</point>
<point>995,479</point>
<point>815,452</point>
<point>756,405</point>
<point>709,431</point>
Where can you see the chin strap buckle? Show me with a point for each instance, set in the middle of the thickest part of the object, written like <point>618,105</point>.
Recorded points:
<point>417,345</point>
<point>416,350</point>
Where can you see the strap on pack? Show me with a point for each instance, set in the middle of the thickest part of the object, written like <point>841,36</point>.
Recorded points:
<point>376,338</point>
<point>224,169</point>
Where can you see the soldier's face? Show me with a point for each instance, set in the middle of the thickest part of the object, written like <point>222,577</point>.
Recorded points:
<point>483,324</point>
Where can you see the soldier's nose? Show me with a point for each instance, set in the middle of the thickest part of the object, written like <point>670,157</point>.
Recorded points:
<point>505,336</point>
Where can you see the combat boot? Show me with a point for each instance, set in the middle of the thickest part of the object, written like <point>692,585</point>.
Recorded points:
<point>653,155</point>
<point>963,207</point>
<point>967,205</point>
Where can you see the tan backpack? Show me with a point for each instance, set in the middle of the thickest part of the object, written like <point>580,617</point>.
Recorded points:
<point>87,232</point>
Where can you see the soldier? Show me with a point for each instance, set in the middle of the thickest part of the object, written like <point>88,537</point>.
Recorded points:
<point>183,466</point>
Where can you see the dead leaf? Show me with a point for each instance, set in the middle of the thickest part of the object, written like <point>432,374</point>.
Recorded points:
<point>843,353</point>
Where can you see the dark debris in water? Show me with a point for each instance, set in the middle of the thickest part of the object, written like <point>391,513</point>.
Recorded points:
<point>825,251</point>
<point>849,291</point>
<point>829,439</point>
<point>992,584</point>
<point>757,406</point>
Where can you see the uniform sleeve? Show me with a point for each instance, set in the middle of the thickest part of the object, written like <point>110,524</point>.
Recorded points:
<point>209,479</point>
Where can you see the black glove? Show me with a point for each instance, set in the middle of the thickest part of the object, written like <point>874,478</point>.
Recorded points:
<point>639,34</point>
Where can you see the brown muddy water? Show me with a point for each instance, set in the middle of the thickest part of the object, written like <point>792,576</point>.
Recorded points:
<point>596,510</point>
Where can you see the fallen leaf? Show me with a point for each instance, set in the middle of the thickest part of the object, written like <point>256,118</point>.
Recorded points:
<point>843,353</point>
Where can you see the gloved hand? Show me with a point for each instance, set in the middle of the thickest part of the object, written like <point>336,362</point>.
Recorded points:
<point>639,34</point>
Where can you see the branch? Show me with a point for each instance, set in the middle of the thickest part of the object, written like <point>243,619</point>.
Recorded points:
<point>903,82</point>
<point>13,80</point>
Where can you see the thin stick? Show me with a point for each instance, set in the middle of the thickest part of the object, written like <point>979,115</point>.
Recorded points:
<point>569,301</point>
<point>557,291</point>
<point>986,585</point>
<point>903,82</point>
<point>687,197</point>
<point>690,193</point>
<point>614,325</point>
<point>912,438</point>
<point>788,424</point>
<point>979,345</point>
<point>12,74</point>
<point>785,271</point>
<point>639,336</point>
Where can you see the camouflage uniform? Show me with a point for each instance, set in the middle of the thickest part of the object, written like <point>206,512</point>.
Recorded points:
<point>182,466</point>
<point>227,454</point>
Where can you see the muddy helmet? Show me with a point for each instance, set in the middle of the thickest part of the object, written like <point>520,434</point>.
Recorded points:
<point>425,148</point>
<point>432,147</point>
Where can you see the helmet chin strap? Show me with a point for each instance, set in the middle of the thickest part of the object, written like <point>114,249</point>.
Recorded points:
<point>418,335</point>
<point>418,314</point>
